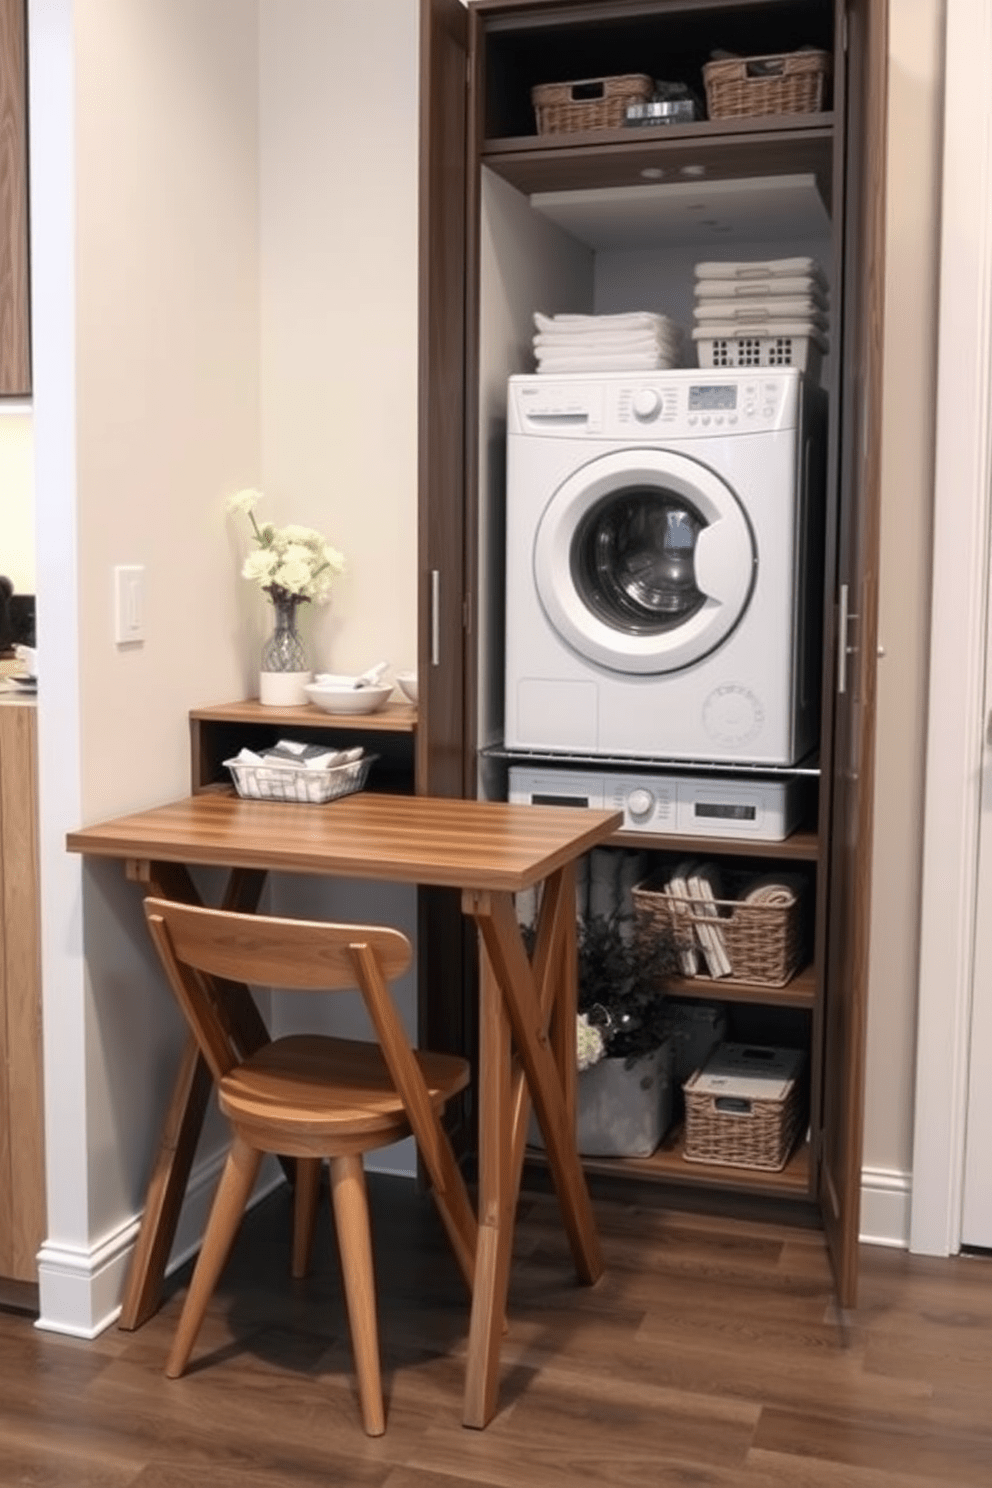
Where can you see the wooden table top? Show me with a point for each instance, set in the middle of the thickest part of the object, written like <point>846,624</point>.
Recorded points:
<point>399,839</point>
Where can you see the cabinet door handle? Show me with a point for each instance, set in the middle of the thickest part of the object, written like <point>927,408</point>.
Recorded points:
<point>844,617</point>
<point>435,617</point>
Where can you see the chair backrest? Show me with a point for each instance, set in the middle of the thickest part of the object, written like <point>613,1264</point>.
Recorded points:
<point>201,949</point>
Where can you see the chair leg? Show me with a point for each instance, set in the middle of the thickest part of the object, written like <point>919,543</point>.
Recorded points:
<point>351,1213</point>
<point>236,1183</point>
<point>305,1196</point>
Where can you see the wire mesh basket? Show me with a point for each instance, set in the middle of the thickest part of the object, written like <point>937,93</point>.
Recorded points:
<point>291,780</point>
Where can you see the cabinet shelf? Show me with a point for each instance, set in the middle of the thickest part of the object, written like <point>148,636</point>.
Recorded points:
<point>800,992</point>
<point>802,846</point>
<point>723,149</point>
<point>667,1165</point>
<point>217,732</point>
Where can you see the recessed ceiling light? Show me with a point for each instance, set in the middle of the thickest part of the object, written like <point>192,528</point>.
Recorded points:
<point>652,173</point>
<point>693,170</point>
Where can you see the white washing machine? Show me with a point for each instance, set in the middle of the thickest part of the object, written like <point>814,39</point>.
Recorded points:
<point>664,565</point>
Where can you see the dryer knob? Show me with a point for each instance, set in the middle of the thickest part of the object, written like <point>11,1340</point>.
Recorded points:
<point>640,803</point>
<point>646,404</point>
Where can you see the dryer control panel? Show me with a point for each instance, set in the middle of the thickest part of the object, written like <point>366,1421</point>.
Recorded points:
<point>679,805</point>
<point>686,404</point>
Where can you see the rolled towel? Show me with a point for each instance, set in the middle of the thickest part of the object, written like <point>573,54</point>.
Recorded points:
<point>781,889</point>
<point>604,882</point>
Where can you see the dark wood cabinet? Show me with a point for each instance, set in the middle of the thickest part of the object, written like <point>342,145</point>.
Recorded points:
<point>482,276</point>
<point>15,340</point>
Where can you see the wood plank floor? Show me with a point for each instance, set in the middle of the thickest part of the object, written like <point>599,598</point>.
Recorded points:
<point>708,1354</point>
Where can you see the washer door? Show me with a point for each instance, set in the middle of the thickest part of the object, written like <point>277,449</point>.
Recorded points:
<point>644,561</point>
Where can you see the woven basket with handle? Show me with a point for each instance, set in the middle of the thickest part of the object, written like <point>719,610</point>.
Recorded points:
<point>786,83</point>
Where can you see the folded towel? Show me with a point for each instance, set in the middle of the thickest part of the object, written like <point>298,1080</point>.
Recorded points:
<point>705,888</point>
<point>604,882</point>
<point>617,361</point>
<point>677,890</point>
<point>635,341</point>
<point>581,325</point>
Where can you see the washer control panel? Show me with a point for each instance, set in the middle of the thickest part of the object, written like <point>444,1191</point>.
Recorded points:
<point>689,403</point>
<point>677,805</point>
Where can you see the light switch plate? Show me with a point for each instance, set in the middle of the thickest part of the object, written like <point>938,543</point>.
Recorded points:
<point>129,604</point>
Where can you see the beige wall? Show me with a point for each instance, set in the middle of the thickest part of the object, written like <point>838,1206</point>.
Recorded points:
<point>17,497</point>
<point>167,370</point>
<point>339,191</point>
<point>912,229</point>
<point>144,149</point>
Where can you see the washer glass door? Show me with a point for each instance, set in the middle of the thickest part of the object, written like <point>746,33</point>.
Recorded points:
<point>644,561</point>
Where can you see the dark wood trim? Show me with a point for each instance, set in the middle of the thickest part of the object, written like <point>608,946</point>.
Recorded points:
<point>15,320</point>
<point>852,808</point>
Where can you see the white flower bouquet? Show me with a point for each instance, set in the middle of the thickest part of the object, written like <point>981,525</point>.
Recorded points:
<point>290,562</point>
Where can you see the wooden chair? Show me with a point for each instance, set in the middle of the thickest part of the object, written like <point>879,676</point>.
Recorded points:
<point>309,1097</point>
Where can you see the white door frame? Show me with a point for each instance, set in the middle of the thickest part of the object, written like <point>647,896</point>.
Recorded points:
<point>963,480</point>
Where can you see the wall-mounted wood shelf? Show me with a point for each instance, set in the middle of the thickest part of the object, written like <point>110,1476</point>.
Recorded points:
<point>218,731</point>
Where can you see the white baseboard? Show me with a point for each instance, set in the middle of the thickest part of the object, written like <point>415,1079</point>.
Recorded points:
<point>886,1196</point>
<point>80,1288</point>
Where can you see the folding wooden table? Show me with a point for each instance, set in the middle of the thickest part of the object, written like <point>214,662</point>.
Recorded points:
<point>488,850</point>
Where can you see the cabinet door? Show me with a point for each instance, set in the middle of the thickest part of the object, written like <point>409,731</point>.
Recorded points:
<point>856,646</point>
<point>445,956</point>
<point>443,260</point>
<point>15,355</point>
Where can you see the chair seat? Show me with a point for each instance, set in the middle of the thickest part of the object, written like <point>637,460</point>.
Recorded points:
<point>314,1085</point>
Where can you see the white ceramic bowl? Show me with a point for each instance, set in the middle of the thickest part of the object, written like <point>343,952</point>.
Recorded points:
<point>408,684</point>
<point>334,698</point>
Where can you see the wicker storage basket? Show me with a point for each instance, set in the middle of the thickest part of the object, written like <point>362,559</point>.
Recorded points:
<point>766,944</point>
<point>591,103</point>
<point>736,1117</point>
<point>784,83</point>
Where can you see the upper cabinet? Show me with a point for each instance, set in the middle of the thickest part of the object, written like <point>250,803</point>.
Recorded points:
<point>15,335</point>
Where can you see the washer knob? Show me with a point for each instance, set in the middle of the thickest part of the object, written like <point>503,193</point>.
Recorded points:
<point>640,803</point>
<point>646,404</point>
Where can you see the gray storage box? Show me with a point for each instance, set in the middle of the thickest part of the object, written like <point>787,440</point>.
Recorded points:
<point>621,1112</point>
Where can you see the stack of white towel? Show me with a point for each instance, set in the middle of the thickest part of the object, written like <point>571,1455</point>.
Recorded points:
<point>636,341</point>
<point>773,297</point>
